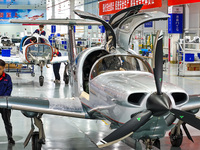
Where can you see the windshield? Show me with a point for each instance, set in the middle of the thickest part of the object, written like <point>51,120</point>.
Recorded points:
<point>39,50</point>
<point>118,63</point>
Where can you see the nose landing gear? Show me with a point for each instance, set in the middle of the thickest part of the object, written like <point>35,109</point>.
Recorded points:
<point>41,78</point>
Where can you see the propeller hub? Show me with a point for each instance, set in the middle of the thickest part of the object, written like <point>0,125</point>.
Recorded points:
<point>159,104</point>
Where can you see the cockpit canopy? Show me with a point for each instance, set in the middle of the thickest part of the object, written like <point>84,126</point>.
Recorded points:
<point>27,40</point>
<point>118,63</point>
<point>39,50</point>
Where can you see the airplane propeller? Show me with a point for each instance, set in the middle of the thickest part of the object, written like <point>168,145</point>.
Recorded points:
<point>158,104</point>
<point>158,62</point>
<point>126,130</point>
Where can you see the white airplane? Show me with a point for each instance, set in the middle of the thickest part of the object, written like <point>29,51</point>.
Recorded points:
<point>39,53</point>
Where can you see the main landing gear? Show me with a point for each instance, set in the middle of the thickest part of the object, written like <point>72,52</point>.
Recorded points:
<point>38,138</point>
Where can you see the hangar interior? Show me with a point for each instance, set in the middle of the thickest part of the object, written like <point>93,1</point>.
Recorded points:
<point>112,71</point>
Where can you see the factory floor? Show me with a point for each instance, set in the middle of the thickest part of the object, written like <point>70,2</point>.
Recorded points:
<point>64,133</point>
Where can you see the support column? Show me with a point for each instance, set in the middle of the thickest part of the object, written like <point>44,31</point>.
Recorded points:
<point>53,10</point>
<point>72,9</point>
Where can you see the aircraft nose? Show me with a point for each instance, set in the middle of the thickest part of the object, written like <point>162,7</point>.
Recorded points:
<point>159,104</point>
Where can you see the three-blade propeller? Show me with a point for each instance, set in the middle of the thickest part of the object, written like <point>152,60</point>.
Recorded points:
<point>158,104</point>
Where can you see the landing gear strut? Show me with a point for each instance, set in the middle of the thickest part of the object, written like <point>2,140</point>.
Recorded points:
<point>152,142</point>
<point>41,78</point>
<point>38,138</point>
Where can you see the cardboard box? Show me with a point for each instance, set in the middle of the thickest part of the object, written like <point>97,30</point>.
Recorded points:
<point>188,65</point>
<point>193,68</point>
<point>194,65</point>
<point>13,66</point>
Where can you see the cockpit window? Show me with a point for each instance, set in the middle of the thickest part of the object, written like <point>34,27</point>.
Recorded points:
<point>118,63</point>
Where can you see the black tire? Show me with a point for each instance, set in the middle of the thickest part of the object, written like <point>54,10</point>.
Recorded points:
<point>35,141</point>
<point>41,80</point>
<point>176,140</point>
<point>33,74</point>
<point>66,79</point>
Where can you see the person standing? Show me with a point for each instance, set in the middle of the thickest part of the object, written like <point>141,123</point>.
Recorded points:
<point>56,67</point>
<point>40,31</point>
<point>5,90</point>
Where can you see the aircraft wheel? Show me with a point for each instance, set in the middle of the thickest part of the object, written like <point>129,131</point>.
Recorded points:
<point>33,74</point>
<point>17,74</point>
<point>36,145</point>
<point>66,79</point>
<point>176,139</point>
<point>41,80</point>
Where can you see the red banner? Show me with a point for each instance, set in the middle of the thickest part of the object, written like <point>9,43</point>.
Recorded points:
<point>113,6</point>
<point>180,2</point>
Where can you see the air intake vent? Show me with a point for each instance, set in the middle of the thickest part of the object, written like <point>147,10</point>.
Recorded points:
<point>136,98</point>
<point>179,98</point>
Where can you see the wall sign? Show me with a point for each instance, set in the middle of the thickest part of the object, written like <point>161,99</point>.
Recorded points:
<point>175,22</point>
<point>180,2</point>
<point>148,24</point>
<point>113,6</point>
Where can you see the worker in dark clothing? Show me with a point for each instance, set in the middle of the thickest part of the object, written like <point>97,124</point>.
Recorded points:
<point>31,40</point>
<point>5,90</point>
<point>40,31</point>
<point>56,67</point>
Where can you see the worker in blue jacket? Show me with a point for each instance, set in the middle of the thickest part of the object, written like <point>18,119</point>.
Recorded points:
<point>40,31</point>
<point>5,90</point>
<point>31,40</point>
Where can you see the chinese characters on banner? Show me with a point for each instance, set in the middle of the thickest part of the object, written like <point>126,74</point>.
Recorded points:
<point>175,22</point>
<point>180,2</point>
<point>113,6</point>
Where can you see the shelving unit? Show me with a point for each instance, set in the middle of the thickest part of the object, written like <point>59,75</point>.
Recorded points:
<point>183,48</point>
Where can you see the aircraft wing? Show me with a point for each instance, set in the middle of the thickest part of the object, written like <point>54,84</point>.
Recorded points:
<point>71,107</point>
<point>81,22</point>
<point>193,103</point>
<point>12,60</point>
<point>59,59</point>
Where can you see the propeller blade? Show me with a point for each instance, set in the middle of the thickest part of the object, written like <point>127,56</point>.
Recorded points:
<point>170,119</point>
<point>126,129</point>
<point>187,118</point>
<point>158,61</point>
<point>187,132</point>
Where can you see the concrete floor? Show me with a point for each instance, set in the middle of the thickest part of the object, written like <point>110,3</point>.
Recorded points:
<point>64,133</point>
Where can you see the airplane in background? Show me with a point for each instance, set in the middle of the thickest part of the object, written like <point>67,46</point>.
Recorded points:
<point>113,84</point>
<point>39,53</point>
<point>35,17</point>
